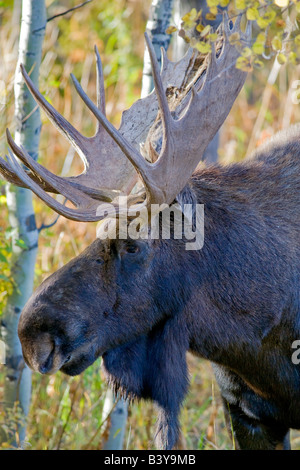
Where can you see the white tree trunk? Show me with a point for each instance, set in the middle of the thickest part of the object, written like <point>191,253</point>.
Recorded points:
<point>21,214</point>
<point>159,20</point>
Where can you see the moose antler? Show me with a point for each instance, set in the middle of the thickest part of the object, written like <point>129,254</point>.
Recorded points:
<point>203,104</point>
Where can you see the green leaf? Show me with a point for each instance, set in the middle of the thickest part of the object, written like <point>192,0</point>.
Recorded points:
<point>293,58</point>
<point>55,83</point>
<point>212,37</point>
<point>240,4</point>
<point>243,63</point>
<point>270,15</point>
<point>297,40</point>
<point>277,43</point>
<point>190,17</point>
<point>282,59</point>
<point>258,64</point>
<point>259,45</point>
<point>246,52</point>
<point>203,47</point>
<point>258,48</point>
<point>262,22</point>
<point>212,3</point>
<point>3,258</point>
<point>205,31</point>
<point>261,38</point>
<point>20,243</point>
<point>252,14</point>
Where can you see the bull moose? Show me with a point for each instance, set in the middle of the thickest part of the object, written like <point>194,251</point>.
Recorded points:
<point>142,302</point>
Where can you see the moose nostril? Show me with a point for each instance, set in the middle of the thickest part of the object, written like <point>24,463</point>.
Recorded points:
<point>48,364</point>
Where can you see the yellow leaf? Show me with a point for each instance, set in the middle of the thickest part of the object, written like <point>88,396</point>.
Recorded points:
<point>240,4</point>
<point>261,38</point>
<point>199,27</point>
<point>262,22</point>
<point>293,58</point>
<point>171,29</point>
<point>213,10</point>
<point>190,16</point>
<point>258,48</point>
<point>270,15</point>
<point>212,37</point>
<point>203,47</point>
<point>281,58</point>
<point>210,16</point>
<point>258,64</point>
<point>206,30</point>
<point>246,52</point>
<point>244,64</point>
<point>277,43</point>
<point>252,14</point>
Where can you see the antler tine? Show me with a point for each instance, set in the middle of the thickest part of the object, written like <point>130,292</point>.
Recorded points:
<point>237,24</point>
<point>226,22</point>
<point>7,172</point>
<point>60,185</point>
<point>131,153</point>
<point>185,136</point>
<point>87,208</point>
<point>44,196</point>
<point>248,31</point>
<point>78,141</point>
<point>161,96</point>
<point>49,181</point>
<point>197,124</point>
<point>100,83</point>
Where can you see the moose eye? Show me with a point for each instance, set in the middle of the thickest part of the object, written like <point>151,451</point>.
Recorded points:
<point>132,249</point>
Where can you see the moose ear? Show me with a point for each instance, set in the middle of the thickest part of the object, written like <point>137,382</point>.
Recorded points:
<point>154,367</point>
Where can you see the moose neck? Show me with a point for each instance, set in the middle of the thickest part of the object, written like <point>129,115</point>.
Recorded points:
<point>232,282</point>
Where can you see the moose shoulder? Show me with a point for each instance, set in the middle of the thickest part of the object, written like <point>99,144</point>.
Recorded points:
<point>143,303</point>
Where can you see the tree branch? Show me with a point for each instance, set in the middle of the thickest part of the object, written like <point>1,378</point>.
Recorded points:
<point>68,11</point>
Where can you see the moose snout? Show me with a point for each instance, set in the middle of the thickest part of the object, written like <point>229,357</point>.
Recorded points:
<point>44,355</point>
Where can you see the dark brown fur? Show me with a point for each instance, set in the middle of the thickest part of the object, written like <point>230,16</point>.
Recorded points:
<point>142,304</point>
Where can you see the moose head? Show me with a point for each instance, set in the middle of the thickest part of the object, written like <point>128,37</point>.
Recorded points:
<point>142,302</point>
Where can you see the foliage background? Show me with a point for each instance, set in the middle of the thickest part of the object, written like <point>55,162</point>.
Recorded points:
<point>66,413</point>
